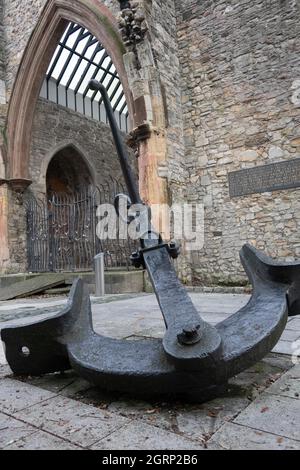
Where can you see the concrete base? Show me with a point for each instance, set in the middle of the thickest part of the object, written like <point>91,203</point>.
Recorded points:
<point>116,281</point>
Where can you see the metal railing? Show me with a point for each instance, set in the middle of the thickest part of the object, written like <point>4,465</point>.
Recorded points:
<point>61,231</point>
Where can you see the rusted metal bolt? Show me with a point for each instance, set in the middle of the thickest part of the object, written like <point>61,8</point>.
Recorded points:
<point>190,335</point>
<point>137,259</point>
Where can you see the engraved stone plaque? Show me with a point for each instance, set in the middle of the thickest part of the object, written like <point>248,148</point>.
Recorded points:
<point>265,178</point>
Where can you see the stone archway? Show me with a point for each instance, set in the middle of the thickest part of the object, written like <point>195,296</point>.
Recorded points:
<point>67,172</point>
<point>39,51</point>
<point>141,83</point>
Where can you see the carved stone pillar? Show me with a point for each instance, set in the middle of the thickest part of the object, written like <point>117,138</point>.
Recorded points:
<point>4,246</point>
<point>151,146</point>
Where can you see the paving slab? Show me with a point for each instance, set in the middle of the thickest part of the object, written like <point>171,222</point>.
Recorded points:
<point>94,396</point>
<point>77,386</point>
<point>253,381</point>
<point>273,413</point>
<point>18,319</point>
<point>290,335</point>
<point>5,371</point>
<point>11,430</point>
<point>16,395</point>
<point>261,397</point>
<point>279,361</point>
<point>162,415</point>
<point>67,383</point>
<point>284,347</point>
<point>69,419</point>
<point>133,319</point>
<point>141,436</point>
<point>233,436</point>
<point>201,423</point>
<point>293,323</point>
<point>244,387</point>
<point>288,385</point>
<point>41,441</point>
<point>32,303</point>
<point>138,315</point>
<point>28,310</point>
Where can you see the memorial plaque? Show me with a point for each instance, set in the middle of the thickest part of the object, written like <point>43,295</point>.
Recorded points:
<point>265,178</point>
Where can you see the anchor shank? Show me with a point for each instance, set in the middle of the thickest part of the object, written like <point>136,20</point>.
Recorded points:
<point>121,149</point>
<point>176,306</point>
<point>189,341</point>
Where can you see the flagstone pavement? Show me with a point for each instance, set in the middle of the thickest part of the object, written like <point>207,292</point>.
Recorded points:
<point>261,409</point>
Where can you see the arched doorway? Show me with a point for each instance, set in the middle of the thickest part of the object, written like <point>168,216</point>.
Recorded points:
<point>61,228</point>
<point>71,206</point>
<point>52,24</point>
<point>67,173</point>
<point>61,233</point>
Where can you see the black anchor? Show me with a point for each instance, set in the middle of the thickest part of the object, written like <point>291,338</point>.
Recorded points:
<point>194,360</point>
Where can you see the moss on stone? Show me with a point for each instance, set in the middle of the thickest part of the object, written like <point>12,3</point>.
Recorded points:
<point>114,35</point>
<point>108,27</point>
<point>3,134</point>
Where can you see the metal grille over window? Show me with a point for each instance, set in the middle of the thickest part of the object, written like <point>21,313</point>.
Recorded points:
<point>78,58</point>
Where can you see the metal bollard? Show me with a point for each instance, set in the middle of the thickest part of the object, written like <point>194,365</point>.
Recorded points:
<point>99,275</point>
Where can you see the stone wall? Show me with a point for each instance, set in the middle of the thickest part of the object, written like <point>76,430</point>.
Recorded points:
<point>56,127</point>
<point>163,38</point>
<point>20,18</point>
<point>2,45</point>
<point>240,65</point>
<point>154,76</point>
<point>17,235</point>
<point>4,251</point>
<point>220,84</point>
<point>2,71</point>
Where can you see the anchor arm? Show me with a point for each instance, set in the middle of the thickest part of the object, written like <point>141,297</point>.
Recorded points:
<point>253,331</point>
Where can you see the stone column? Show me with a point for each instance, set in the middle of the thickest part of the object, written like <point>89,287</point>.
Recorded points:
<point>4,249</point>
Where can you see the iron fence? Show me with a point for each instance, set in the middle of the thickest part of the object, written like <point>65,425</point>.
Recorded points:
<point>61,231</point>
